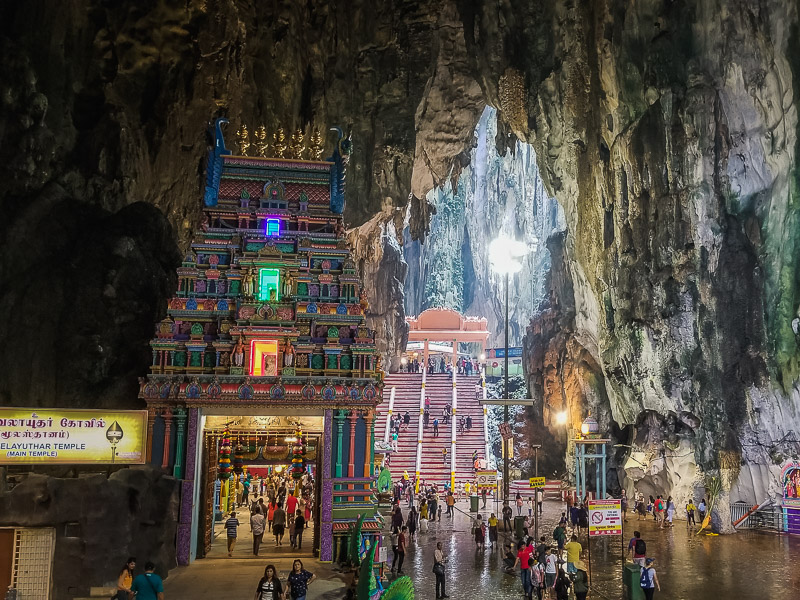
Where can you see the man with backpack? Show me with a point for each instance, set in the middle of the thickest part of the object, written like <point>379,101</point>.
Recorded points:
<point>648,579</point>
<point>637,548</point>
<point>659,510</point>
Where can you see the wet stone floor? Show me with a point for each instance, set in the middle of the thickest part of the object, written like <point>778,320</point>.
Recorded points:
<point>689,566</point>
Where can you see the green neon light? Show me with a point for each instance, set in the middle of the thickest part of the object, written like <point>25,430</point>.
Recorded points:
<point>269,280</point>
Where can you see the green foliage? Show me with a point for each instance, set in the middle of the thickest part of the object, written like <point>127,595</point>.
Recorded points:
<point>355,542</point>
<point>402,588</point>
<point>366,576</point>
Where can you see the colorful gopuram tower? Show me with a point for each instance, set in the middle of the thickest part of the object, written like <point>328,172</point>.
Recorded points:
<point>268,318</point>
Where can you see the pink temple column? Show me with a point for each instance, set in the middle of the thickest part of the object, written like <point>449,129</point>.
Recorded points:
<point>368,419</point>
<point>167,416</point>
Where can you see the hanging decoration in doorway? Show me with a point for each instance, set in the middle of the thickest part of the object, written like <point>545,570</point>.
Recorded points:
<point>225,455</point>
<point>298,452</point>
<point>238,458</point>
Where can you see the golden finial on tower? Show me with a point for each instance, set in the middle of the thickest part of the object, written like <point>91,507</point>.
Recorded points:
<point>279,142</point>
<point>297,147</point>
<point>243,140</point>
<point>315,149</point>
<point>261,141</point>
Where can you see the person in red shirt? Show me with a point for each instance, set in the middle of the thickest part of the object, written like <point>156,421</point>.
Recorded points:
<point>291,504</point>
<point>523,559</point>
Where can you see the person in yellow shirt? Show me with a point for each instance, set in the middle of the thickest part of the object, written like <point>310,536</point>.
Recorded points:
<point>574,550</point>
<point>125,580</point>
<point>690,508</point>
<point>492,530</point>
<point>467,486</point>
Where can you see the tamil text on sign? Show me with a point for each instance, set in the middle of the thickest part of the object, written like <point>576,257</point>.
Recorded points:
<point>605,517</point>
<point>72,436</point>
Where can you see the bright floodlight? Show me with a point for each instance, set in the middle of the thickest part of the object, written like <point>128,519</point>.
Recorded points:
<point>403,361</point>
<point>561,418</point>
<point>505,254</point>
<point>482,357</point>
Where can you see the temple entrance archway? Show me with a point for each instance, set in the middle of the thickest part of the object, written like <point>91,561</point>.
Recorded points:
<point>263,443</point>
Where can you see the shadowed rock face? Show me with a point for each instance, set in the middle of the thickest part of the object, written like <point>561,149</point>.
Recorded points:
<point>666,130</point>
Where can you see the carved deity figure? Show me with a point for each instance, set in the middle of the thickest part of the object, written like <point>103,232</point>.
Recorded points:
<point>362,300</point>
<point>315,148</point>
<point>248,283</point>
<point>340,230</point>
<point>379,363</point>
<point>279,142</point>
<point>270,365</point>
<point>261,141</point>
<point>288,354</point>
<point>297,147</point>
<point>288,286</point>
<point>243,140</point>
<point>237,354</point>
<point>273,297</point>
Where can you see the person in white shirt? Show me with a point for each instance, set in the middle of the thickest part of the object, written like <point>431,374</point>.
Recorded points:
<point>550,568</point>
<point>257,524</point>
<point>438,569</point>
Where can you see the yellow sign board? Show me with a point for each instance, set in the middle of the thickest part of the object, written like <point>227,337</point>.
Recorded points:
<point>537,482</point>
<point>73,436</point>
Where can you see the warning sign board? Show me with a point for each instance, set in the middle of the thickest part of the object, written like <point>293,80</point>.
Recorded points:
<point>537,482</point>
<point>486,479</point>
<point>605,517</point>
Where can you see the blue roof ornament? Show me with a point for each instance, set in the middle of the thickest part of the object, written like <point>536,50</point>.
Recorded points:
<point>214,168</point>
<point>340,160</point>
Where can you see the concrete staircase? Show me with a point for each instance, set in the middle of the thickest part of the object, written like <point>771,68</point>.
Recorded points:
<point>439,388</point>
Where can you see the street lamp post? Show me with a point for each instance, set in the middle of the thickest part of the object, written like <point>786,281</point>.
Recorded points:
<point>504,255</point>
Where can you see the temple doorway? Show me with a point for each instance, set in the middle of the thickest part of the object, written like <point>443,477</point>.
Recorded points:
<point>270,464</point>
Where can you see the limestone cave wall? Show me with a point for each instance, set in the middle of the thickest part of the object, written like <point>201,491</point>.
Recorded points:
<point>667,130</point>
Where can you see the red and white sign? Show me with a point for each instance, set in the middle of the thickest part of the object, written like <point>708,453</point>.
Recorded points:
<point>605,517</point>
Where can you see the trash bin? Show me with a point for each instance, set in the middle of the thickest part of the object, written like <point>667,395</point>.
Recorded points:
<point>473,503</point>
<point>630,582</point>
<point>519,525</point>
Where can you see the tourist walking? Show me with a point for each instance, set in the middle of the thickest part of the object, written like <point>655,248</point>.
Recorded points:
<point>479,531</point>
<point>562,585</point>
<point>444,456</point>
<point>581,581</point>
<point>701,511</point>
<point>271,513</point>
<point>436,428</point>
<point>397,518</point>
<point>550,568</point>
<point>411,523</point>
<point>540,499</point>
<point>299,580</point>
<point>483,497</point>
<point>148,585</point>
<point>401,548</point>
<point>451,502</point>
<point>438,569</point>
<point>507,513</point>
<point>560,536</point>
<point>649,580</point>
<point>492,530</point>
<point>125,580</point>
<point>231,526</point>
<point>523,559</point>
<point>637,549</point>
<point>690,508</point>
<point>279,524</point>
<point>299,526</point>
<point>257,525</point>
<point>406,420</point>
<point>269,586</point>
<point>394,538</point>
<point>537,578</point>
<point>469,422</point>
<point>574,550</point>
<point>670,510</point>
<point>519,504</point>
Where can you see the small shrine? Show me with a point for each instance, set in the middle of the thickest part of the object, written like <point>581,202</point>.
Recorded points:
<point>268,319</point>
